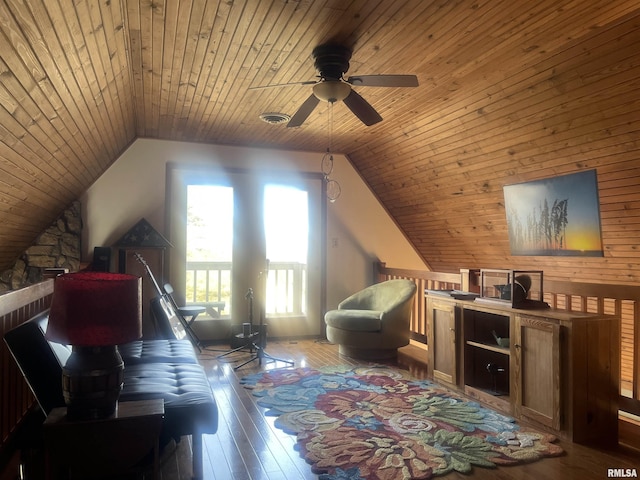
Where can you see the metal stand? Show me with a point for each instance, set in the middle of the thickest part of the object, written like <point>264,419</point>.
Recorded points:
<point>260,352</point>
<point>256,341</point>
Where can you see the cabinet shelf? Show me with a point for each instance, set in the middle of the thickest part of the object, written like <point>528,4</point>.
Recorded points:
<point>502,403</point>
<point>488,391</point>
<point>492,348</point>
<point>486,364</point>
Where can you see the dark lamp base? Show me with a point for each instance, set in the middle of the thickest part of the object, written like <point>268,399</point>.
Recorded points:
<point>91,382</point>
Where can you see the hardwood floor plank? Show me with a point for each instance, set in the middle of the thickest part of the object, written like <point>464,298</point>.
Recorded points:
<point>213,459</point>
<point>228,431</point>
<point>276,446</point>
<point>251,447</point>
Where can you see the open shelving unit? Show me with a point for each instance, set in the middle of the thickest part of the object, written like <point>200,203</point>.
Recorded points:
<point>486,363</point>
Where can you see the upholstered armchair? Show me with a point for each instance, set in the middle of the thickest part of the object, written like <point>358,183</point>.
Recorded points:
<point>373,323</point>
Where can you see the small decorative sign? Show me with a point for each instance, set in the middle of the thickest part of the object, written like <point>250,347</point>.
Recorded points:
<point>555,216</point>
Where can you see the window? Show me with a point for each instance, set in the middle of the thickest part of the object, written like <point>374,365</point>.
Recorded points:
<point>226,223</point>
<point>209,246</point>
<point>286,225</point>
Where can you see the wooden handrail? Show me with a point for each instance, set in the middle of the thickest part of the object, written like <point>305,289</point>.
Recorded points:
<point>423,279</point>
<point>16,399</point>
<point>620,300</point>
<point>620,292</point>
<point>17,299</point>
<point>446,278</point>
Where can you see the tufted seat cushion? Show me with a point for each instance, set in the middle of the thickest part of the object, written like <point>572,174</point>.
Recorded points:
<point>157,351</point>
<point>188,400</point>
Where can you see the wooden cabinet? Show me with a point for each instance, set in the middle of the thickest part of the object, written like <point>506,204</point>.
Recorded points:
<point>556,369</point>
<point>443,350</point>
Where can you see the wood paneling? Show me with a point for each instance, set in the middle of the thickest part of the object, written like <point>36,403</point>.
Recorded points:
<point>509,91</point>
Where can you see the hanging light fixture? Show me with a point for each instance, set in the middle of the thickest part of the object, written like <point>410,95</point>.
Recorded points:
<point>332,187</point>
<point>332,91</point>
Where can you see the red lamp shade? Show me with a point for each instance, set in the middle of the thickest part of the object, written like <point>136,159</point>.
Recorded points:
<point>95,309</point>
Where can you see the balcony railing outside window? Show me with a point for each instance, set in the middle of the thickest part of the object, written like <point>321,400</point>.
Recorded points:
<point>210,283</point>
<point>287,289</point>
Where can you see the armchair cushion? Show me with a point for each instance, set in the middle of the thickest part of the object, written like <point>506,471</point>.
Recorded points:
<point>355,320</point>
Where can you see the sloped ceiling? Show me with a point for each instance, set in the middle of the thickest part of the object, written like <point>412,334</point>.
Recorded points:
<point>510,90</point>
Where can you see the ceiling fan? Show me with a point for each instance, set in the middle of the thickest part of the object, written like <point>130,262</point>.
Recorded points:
<point>332,62</point>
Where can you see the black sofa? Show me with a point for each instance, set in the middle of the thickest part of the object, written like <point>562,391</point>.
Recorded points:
<point>159,368</point>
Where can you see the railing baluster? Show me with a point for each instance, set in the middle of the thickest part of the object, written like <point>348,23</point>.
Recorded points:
<point>195,285</point>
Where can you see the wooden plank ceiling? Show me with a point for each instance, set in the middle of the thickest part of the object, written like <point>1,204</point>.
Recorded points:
<point>510,90</point>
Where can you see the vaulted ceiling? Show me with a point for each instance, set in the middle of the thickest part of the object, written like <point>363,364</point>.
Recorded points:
<point>509,90</point>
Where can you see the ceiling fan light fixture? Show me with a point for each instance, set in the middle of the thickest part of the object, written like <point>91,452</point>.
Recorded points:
<point>332,62</point>
<point>274,118</point>
<point>332,90</point>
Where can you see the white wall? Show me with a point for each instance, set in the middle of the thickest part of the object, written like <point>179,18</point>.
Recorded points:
<point>359,230</point>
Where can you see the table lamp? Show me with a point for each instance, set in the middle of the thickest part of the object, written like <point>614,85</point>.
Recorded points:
<point>94,312</point>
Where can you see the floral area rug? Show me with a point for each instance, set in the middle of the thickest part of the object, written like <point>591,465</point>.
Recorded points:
<point>379,423</point>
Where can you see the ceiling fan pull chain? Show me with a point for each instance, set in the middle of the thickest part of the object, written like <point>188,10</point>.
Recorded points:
<point>332,187</point>
<point>331,126</point>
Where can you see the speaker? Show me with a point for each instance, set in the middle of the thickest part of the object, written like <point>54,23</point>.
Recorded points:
<point>101,259</point>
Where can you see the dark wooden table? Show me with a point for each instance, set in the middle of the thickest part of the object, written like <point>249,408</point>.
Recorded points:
<point>103,447</point>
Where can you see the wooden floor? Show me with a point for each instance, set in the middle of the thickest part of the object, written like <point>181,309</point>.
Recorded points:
<point>249,446</point>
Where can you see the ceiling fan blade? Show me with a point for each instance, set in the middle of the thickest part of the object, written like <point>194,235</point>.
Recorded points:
<point>362,109</point>
<point>384,80</point>
<point>292,84</point>
<point>304,111</point>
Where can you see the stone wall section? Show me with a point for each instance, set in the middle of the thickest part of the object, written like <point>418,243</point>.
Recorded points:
<point>57,247</point>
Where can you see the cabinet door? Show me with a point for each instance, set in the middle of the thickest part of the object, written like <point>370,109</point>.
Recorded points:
<point>442,341</point>
<point>537,359</point>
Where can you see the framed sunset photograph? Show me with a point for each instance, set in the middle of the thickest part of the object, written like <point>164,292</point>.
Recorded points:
<point>555,216</point>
